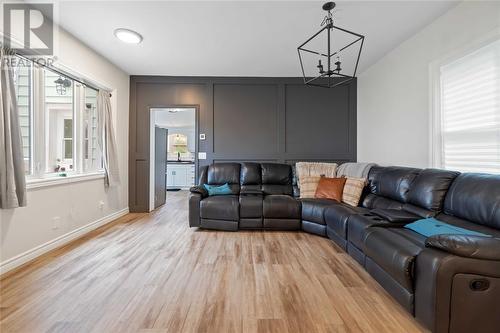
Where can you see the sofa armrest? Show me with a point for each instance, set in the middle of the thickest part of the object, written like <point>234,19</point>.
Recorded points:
<point>438,274</point>
<point>199,190</point>
<point>194,209</point>
<point>395,215</point>
<point>477,247</point>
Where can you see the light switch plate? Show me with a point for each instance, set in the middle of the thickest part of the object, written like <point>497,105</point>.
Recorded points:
<point>202,155</point>
<point>202,136</point>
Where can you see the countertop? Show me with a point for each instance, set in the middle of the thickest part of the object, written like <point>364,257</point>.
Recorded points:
<point>181,162</point>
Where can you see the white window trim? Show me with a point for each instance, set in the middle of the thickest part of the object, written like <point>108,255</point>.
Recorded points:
<point>39,178</point>
<point>55,180</point>
<point>435,124</point>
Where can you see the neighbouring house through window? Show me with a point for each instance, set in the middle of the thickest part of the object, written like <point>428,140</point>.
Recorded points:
<point>23,86</point>
<point>58,123</point>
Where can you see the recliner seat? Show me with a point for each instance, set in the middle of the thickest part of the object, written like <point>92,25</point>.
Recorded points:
<point>313,215</point>
<point>251,197</point>
<point>280,209</point>
<point>387,188</point>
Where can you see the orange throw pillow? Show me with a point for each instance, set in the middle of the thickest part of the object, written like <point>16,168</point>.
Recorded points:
<point>330,188</point>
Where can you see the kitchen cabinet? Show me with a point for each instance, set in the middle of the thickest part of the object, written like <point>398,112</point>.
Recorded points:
<point>180,175</point>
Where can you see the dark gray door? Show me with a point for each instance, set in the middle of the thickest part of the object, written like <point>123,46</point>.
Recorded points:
<point>161,135</point>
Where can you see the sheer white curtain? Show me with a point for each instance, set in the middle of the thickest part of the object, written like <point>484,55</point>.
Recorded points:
<point>106,139</point>
<point>12,176</point>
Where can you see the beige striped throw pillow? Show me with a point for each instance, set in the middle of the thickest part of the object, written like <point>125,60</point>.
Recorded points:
<point>353,189</point>
<point>308,186</point>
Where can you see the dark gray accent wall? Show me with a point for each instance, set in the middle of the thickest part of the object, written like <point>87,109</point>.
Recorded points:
<point>245,119</point>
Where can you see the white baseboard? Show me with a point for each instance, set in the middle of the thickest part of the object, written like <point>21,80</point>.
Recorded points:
<point>29,255</point>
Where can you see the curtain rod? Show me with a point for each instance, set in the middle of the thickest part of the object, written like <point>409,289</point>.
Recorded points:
<point>60,72</point>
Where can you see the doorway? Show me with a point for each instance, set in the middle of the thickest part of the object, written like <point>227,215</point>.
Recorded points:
<point>173,151</point>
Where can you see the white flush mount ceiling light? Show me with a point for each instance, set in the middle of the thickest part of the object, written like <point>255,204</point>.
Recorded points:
<point>128,36</point>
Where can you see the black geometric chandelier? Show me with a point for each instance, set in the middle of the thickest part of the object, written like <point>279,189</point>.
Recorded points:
<point>331,56</point>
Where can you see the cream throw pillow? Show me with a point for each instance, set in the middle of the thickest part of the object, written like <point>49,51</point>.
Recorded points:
<point>353,189</point>
<point>308,186</point>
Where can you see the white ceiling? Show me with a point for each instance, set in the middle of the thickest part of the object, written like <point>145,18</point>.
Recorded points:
<point>235,38</point>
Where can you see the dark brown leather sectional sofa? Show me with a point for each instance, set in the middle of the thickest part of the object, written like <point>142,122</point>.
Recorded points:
<point>450,283</point>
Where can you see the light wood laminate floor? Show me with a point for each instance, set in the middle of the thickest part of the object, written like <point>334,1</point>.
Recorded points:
<point>152,273</point>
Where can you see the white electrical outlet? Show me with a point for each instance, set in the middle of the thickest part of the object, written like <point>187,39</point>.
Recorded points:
<point>56,222</point>
<point>202,156</point>
<point>101,204</point>
<point>202,136</point>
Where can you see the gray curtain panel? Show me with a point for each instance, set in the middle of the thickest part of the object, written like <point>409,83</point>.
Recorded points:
<point>12,175</point>
<point>107,141</point>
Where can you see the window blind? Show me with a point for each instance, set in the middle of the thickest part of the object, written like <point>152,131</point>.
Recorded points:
<point>470,111</point>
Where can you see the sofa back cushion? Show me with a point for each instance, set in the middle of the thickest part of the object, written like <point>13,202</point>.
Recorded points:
<point>372,201</point>
<point>250,176</point>
<point>222,173</point>
<point>429,188</point>
<point>392,182</point>
<point>203,177</point>
<point>277,178</point>
<point>475,197</point>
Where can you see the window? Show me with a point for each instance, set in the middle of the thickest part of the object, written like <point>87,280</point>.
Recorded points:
<point>91,155</point>
<point>58,119</point>
<point>58,122</point>
<point>469,118</point>
<point>23,86</point>
<point>68,139</point>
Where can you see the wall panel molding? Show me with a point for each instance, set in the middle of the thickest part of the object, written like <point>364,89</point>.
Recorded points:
<point>280,120</point>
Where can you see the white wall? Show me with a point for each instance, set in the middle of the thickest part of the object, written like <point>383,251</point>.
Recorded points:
<point>24,230</point>
<point>393,94</point>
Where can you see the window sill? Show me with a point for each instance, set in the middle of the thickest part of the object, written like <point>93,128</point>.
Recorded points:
<point>55,181</point>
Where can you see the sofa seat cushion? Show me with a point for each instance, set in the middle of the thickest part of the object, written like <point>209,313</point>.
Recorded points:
<point>336,217</point>
<point>432,227</point>
<point>251,206</point>
<point>461,223</point>
<point>224,207</point>
<point>313,209</point>
<point>358,227</point>
<point>395,251</point>
<point>281,207</point>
